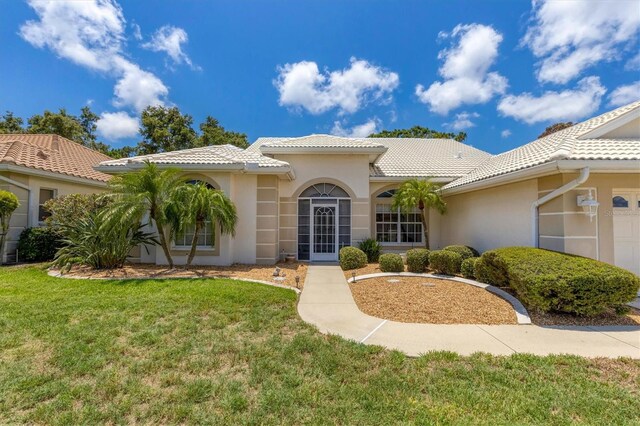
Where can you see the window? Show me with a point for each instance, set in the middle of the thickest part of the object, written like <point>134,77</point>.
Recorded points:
<point>620,202</point>
<point>394,226</point>
<point>206,238</point>
<point>45,195</point>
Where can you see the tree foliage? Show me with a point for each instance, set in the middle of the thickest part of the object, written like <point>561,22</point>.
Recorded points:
<point>8,204</point>
<point>69,209</point>
<point>165,129</point>
<point>212,133</point>
<point>422,194</point>
<point>555,128</point>
<point>419,132</point>
<point>9,123</point>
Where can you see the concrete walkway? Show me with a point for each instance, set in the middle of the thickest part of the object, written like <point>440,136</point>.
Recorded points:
<point>327,303</point>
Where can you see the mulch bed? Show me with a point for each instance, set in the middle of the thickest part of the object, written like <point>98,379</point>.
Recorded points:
<point>427,300</point>
<point>255,272</point>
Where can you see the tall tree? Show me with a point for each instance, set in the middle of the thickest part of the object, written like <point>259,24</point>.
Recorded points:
<point>419,132</point>
<point>149,192</point>
<point>165,129</point>
<point>212,133</point>
<point>555,128</point>
<point>59,123</point>
<point>197,205</point>
<point>9,123</point>
<point>422,194</point>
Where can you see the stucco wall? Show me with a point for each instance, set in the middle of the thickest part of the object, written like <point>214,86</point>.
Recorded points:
<point>27,213</point>
<point>489,218</point>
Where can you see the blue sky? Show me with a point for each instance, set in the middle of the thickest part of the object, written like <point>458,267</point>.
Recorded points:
<point>499,70</point>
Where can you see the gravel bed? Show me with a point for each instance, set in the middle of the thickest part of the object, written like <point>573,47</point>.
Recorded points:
<point>428,300</point>
<point>255,272</point>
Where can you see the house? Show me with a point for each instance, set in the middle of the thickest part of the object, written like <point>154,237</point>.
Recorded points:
<point>577,191</point>
<point>39,167</point>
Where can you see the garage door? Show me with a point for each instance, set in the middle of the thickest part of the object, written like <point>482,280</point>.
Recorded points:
<point>626,229</point>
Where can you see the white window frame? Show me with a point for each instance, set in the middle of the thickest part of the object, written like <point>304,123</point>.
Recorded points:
<point>187,244</point>
<point>41,204</point>
<point>399,224</point>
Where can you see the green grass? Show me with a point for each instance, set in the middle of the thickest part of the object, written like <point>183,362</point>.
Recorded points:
<point>222,352</point>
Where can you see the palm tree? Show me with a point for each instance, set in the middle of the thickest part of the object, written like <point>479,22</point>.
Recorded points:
<point>197,204</point>
<point>149,193</point>
<point>422,194</point>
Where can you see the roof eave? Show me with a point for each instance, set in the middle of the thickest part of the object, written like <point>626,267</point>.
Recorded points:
<point>437,179</point>
<point>322,150</point>
<point>51,175</point>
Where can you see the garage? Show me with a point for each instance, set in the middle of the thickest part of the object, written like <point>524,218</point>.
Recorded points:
<point>626,228</point>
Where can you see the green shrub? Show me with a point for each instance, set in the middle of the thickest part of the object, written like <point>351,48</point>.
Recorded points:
<point>352,258</point>
<point>465,251</point>
<point>371,248</point>
<point>39,244</point>
<point>552,281</point>
<point>391,262</point>
<point>445,262</point>
<point>467,269</point>
<point>101,245</point>
<point>69,209</point>
<point>417,260</point>
<point>8,204</point>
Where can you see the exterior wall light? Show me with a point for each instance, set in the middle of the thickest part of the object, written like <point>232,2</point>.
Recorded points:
<point>297,281</point>
<point>589,205</point>
<point>353,276</point>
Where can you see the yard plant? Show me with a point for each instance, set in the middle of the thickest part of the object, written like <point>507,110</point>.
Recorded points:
<point>445,262</point>
<point>39,244</point>
<point>352,258</point>
<point>372,248</point>
<point>468,267</point>
<point>229,352</point>
<point>391,262</point>
<point>552,281</point>
<point>417,260</point>
<point>465,251</point>
<point>422,194</point>
<point>8,204</point>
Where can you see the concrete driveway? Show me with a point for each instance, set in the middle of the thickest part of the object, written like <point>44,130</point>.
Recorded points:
<point>327,303</point>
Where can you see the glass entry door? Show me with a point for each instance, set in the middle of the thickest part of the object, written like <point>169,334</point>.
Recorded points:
<point>324,246</point>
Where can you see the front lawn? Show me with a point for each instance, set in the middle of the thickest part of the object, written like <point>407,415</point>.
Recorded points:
<point>222,352</point>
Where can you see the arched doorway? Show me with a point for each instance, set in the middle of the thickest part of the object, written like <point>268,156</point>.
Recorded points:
<point>324,222</point>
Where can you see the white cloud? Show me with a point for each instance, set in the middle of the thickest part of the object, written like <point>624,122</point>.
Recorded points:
<point>137,32</point>
<point>505,133</point>
<point>117,125</point>
<point>360,131</point>
<point>91,34</point>
<point>465,70</point>
<point>463,121</point>
<point>567,105</point>
<point>302,85</point>
<point>625,94</point>
<point>571,36</point>
<point>170,39</point>
<point>633,64</point>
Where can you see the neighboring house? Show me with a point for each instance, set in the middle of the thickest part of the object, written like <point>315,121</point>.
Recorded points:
<point>39,167</point>
<point>311,195</point>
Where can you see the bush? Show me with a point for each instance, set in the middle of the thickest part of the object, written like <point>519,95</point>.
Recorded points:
<point>391,262</point>
<point>552,281</point>
<point>445,262</point>
<point>98,244</point>
<point>467,268</point>
<point>465,251</point>
<point>67,210</point>
<point>352,258</point>
<point>417,260</point>
<point>38,244</point>
<point>371,248</point>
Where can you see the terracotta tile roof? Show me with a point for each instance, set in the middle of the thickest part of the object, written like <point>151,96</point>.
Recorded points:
<point>213,157</point>
<point>572,143</point>
<point>51,153</point>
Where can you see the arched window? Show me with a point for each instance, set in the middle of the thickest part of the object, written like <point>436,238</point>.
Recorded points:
<point>206,237</point>
<point>394,226</point>
<point>325,190</point>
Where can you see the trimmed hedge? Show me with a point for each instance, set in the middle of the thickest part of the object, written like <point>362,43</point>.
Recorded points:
<point>371,248</point>
<point>445,262</point>
<point>38,244</point>
<point>468,267</point>
<point>552,281</point>
<point>352,258</point>
<point>465,251</point>
<point>417,260</point>
<point>391,262</point>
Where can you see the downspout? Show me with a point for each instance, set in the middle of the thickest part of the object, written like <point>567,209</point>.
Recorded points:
<point>582,178</point>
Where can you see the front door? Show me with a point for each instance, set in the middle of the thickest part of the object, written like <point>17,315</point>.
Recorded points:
<point>324,246</point>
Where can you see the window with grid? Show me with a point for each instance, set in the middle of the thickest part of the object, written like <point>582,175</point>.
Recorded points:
<point>45,195</point>
<point>206,237</point>
<point>394,226</point>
